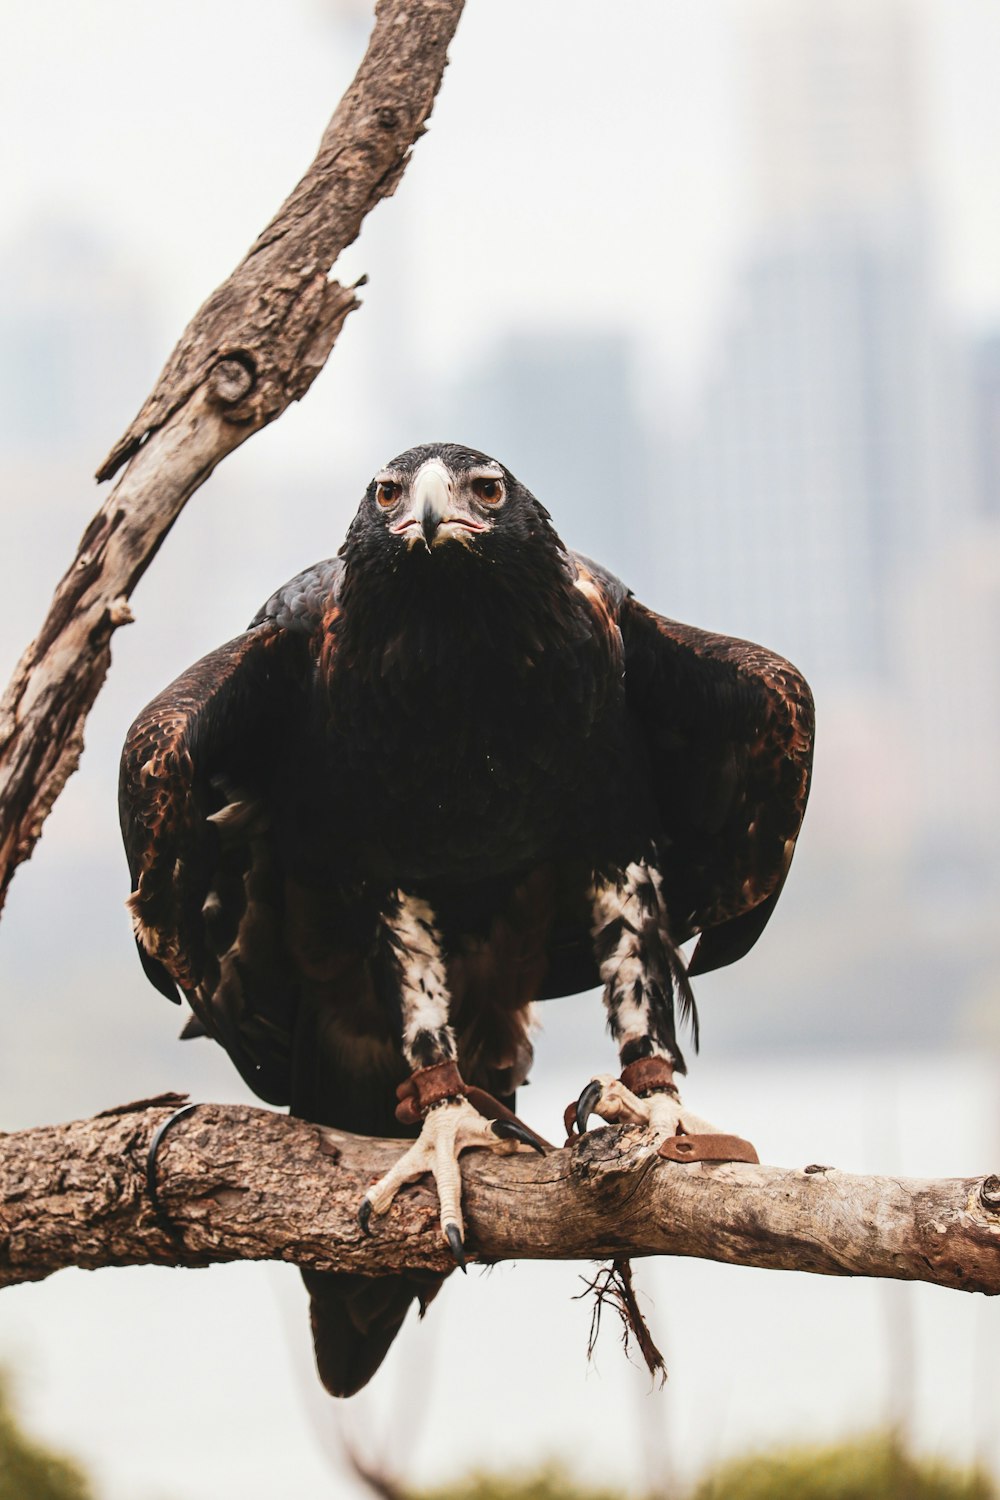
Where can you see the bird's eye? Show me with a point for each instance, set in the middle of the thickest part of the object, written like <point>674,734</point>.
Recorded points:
<point>489,490</point>
<point>387,492</point>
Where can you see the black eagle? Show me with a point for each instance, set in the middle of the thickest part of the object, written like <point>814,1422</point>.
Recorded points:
<point>454,770</point>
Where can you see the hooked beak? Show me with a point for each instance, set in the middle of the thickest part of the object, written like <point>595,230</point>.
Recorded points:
<point>431,500</point>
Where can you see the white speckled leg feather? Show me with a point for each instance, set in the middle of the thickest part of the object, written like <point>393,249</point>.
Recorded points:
<point>643,974</point>
<point>410,929</point>
<point>639,965</point>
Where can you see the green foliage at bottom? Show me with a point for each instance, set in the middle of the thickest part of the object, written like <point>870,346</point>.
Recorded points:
<point>874,1468</point>
<point>550,1483</point>
<point>28,1471</point>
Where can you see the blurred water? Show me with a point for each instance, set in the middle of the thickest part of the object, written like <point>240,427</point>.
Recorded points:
<point>198,1385</point>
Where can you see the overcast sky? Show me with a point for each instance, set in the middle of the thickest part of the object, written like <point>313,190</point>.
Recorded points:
<point>582,158</point>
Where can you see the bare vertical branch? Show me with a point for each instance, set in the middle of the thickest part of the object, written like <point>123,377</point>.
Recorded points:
<point>255,346</point>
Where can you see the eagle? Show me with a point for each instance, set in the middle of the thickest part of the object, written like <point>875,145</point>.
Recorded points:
<point>454,770</point>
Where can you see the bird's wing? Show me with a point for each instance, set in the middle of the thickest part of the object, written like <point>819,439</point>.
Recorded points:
<point>728,730</point>
<point>728,727</point>
<point>196,775</point>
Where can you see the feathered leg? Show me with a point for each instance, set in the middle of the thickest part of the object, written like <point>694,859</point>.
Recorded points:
<point>436,1091</point>
<point>641,968</point>
<point>644,975</point>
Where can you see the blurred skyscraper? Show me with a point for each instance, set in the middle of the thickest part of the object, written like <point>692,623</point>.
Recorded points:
<point>986,364</point>
<point>559,408</point>
<point>830,450</point>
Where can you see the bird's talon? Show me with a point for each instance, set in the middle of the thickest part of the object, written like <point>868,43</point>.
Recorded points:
<point>586,1103</point>
<point>514,1130</point>
<point>449,1128</point>
<point>151,1155</point>
<point>453,1235</point>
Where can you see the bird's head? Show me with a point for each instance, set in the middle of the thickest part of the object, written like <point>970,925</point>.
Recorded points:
<point>442,500</point>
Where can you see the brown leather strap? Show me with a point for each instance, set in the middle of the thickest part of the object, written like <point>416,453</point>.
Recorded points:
<point>649,1075</point>
<point>429,1086</point>
<point>426,1087</point>
<point>708,1148</point>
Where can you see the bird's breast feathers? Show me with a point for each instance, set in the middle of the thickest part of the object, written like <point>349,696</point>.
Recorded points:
<point>480,743</point>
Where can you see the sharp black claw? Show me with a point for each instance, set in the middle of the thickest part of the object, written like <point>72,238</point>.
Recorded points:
<point>454,1237</point>
<point>514,1130</point>
<point>585,1104</point>
<point>364,1214</point>
<point>151,1155</point>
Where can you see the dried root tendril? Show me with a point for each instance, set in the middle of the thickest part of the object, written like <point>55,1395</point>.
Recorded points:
<point>613,1283</point>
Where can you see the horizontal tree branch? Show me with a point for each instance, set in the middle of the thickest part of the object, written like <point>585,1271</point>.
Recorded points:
<point>238,1183</point>
<point>255,346</point>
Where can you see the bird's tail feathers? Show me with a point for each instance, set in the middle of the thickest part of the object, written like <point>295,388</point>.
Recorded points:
<point>355,1319</point>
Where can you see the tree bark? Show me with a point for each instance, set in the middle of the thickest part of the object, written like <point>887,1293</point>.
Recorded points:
<point>255,346</point>
<point>238,1183</point>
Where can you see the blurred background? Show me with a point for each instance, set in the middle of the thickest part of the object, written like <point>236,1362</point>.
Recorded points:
<point>721,284</point>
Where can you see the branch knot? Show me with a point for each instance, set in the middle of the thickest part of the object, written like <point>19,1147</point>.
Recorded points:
<point>233,378</point>
<point>989,1194</point>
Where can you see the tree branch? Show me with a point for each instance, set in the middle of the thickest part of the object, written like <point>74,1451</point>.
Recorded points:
<point>255,346</point>
<point>237,1183</point>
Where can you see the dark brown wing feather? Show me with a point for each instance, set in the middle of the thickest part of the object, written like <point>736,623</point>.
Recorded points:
<point>206,892</point>
<point>729,731</point>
